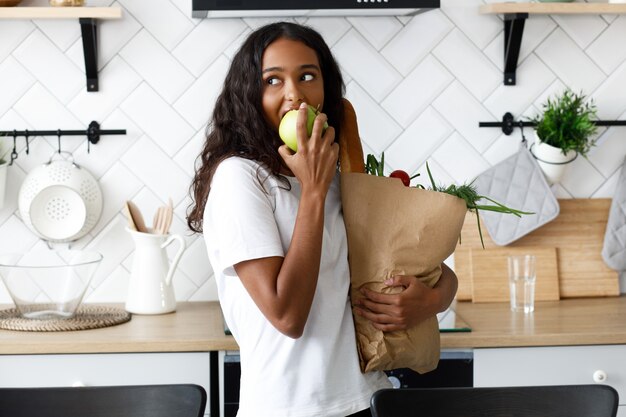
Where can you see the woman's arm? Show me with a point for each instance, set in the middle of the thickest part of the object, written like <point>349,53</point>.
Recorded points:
<point>283,288</point>
<point>417,302</point>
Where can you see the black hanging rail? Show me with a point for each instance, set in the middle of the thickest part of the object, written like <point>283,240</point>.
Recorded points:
<point>509,123</point>
<point>92,133</point>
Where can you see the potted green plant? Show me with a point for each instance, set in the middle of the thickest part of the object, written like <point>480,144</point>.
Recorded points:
<point>563,131</point>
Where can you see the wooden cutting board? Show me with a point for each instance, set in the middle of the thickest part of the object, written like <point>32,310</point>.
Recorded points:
<point>490,273</point>
<point>578,236</point>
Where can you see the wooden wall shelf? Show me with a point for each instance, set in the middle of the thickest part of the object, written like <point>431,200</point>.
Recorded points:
<point>515,15</point>
<point>87,17</point>
<point>553,8</point>
<point>60,12</point>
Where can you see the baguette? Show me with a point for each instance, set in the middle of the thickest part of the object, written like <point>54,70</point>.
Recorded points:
<point>350,148</point>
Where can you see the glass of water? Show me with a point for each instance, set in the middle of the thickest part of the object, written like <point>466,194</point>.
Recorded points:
<point>522,279</point>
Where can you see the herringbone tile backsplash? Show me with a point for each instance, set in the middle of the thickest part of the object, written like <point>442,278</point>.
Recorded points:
<point>420,86</point>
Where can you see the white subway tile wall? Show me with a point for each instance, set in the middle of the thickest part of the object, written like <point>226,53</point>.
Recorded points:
<point>420,86</point>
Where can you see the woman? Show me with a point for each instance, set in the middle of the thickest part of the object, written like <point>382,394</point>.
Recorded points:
<point>275,235</point>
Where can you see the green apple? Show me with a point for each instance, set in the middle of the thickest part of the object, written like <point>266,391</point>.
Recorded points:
<point>287,127</point>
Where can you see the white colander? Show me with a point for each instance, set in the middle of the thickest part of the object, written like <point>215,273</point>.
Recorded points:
<point>60,201</point>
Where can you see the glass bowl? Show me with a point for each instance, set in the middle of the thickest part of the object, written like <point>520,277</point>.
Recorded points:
<point>48,284</point>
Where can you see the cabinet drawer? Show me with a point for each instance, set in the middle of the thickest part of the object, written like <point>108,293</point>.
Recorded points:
<point>104,369</point>
<point>552,366</point>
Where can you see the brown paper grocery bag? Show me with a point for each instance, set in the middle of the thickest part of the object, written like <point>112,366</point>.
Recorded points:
<point>393,229</point>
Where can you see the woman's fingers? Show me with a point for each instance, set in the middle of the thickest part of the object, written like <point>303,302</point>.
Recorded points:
<point>318,126</point>
<point>302,134</point>
<point>386,307</point>
<point>381,321</point>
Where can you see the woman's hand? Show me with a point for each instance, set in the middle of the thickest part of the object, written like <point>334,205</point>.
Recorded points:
<point>417,302</point>
<point>315,162</point>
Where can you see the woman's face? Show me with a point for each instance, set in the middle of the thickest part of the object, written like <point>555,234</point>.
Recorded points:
<point>291,75</point>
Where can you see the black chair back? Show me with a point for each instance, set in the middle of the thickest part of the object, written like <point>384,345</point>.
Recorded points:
<point>537,401</point>
<point>177,400</point>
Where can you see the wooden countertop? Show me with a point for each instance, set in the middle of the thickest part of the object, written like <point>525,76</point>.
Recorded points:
<point>194,327</point>
<point>581,321</point>
<point>197,327</point>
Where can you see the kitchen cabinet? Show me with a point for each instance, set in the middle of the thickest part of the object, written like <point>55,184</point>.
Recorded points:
<point>515,15</point>
<point>564,341</point>
<point>88,18</point>
<point>180,347</point>
<point>564,365</point>
<point>105,369</point>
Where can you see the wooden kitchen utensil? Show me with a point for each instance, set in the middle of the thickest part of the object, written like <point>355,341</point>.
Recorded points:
<point>577,234</point>
<point>170,215</point>
<point>157,222</point>
<point>163,219</point>
<point>137,217</point>
<point>490,276</point>
<point>131,222</point>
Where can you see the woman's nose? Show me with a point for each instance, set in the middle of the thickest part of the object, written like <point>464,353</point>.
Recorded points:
<point>292,92</point>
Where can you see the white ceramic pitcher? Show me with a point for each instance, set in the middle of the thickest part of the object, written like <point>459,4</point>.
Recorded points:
<point>150,290</point>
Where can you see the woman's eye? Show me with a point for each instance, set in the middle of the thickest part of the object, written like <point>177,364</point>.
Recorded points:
<point>272,81</point>
<point>307,77</point>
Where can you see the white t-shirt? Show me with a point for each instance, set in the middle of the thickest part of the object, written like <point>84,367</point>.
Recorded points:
<point>317,374</point>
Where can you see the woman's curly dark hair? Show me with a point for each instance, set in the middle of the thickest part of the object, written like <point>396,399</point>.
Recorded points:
<point>238,125</point>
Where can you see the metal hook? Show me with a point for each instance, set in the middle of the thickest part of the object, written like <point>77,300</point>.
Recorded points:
<point>14,151</point>
<point>521,127</point>
<point>93,133</point>
<point>59,139</point>
<point>27,142</point>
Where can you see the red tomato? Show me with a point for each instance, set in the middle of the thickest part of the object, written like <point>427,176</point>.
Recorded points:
<point>402,175</point>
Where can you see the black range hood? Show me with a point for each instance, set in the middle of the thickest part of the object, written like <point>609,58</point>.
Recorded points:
<point>310,8</point>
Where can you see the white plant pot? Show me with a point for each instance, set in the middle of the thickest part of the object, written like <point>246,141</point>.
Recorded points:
<point>551,160</point>
<point>3,182</point>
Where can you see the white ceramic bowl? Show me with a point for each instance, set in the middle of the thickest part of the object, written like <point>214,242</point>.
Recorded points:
<point>48,284</point>
<point>60,201</point>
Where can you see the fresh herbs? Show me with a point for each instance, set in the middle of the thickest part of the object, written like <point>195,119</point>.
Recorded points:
<point>372,166</point>
<point>466,192</point>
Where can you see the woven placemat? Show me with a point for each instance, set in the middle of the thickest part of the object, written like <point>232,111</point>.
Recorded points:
<point>86,317</point>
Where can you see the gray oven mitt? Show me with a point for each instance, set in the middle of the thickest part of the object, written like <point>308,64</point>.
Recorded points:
<point>614,250</point>
<point>516,182</point>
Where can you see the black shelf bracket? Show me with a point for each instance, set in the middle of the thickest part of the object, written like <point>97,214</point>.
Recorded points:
<point>513,33</point>
<point>90,51</point>
<point>509,123</point>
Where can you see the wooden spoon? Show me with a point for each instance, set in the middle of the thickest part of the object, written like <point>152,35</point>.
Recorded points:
<point>131,222</point>
<point>169,215</point>
<point>137,217</point>
<point>162,215</point>
<point>157,221</point>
